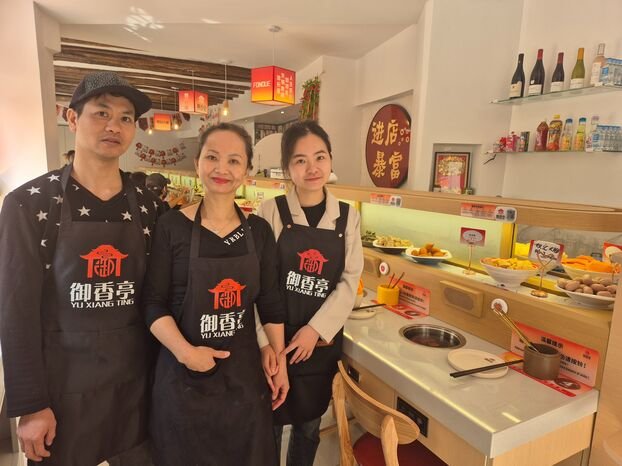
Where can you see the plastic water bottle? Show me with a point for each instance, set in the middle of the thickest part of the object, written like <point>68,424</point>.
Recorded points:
<point>597,139</point>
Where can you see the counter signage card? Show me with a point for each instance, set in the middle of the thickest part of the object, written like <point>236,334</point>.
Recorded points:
<point>472,236</point>
<point>488,212</point>
<point>250,182</point>
<point>259,195</point>
<point>578,362</point>
<point>545,252</point>
<point>415,296</point>
<point>609,249</point>
<point>385,199</point>
<point>481,211</point>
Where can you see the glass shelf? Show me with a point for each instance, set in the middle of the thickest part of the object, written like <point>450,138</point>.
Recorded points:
<point>558,95</point>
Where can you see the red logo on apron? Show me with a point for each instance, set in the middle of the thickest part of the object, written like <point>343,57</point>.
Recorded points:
<point>227,293</point>
<point>312,261</point>
<point>103,261</point>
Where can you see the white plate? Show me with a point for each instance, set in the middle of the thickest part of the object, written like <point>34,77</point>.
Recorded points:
<point>464,359</point>
<point>389,249</point>
<point>428,260</point>
<point>363,314</point>
<point>589,300</point>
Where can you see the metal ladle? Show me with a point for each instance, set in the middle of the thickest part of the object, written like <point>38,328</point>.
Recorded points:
<point>500,307</point>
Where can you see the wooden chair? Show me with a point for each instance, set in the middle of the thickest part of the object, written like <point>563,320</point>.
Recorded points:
<point>390,437</point>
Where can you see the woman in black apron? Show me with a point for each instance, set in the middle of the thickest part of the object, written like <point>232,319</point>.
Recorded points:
<point>211,404</point>
<point>320,263</point>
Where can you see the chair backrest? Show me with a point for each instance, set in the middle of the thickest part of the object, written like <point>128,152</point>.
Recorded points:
<point>391,426</point>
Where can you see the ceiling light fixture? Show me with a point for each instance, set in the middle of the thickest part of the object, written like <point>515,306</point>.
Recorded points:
<point>162,121</point>
<point>272,85</point>
<point>191,101</point>
<point>225,105</point>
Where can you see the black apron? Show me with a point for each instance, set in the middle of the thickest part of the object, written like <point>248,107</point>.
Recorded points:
<point>311,261</point>
<point>95,343</point>
<point>221,417</point>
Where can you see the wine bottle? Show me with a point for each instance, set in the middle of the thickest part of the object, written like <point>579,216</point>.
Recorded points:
<point>536,80</point>
<point>517,85</point>
<point>598,63</point>
<point>578,72</point>
<point>557,83</point>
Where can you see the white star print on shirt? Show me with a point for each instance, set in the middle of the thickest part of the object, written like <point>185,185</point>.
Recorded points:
<point>147,231</point>
<point>32,190</point>
<point>53,178</point>
<point>143,209</point>
<point>42,215</point>
<point>84,211</point>
<point>155,205</point>
<point>43,241</point>
<point>127,216</point>
<point>75,186</point>
<point>139,190</point>
<point>59,199</point>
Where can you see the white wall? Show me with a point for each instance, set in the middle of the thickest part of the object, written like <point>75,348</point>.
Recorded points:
<point>387,70</point>
<point>339,117</point>
<point>25,98</point>
<point>576,177</point>
<point>268,152</point>
<point>467,53</point>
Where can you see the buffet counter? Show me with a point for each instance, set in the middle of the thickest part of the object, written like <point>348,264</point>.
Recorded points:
<point>509,420</point>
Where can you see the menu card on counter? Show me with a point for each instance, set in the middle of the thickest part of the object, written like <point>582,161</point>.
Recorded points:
<point>578,362</point>
<point>472,236</point>
<point>488,212</point>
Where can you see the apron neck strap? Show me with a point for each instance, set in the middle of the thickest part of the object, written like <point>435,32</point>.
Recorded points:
<point>342,221</point>
<point>195,239</point>
<point>284,212</point>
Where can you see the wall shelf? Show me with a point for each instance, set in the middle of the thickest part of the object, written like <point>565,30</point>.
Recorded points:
<point>558,95</point>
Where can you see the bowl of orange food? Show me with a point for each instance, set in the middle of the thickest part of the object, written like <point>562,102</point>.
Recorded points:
<point>509,273</point>
<point>577,267</point>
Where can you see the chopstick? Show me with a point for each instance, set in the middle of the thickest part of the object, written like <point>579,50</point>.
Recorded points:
<point>398,280</point>
<point>391,279</point>
<point>366,307</point>
<point>484,368</point>
<point>512,326</point>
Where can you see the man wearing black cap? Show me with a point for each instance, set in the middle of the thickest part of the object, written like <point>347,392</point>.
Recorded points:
<point>158,185</point>
<point>73,244</point>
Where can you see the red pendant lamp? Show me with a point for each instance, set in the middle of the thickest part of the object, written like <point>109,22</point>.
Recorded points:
<point>191,101</point>
<point>273,85</point>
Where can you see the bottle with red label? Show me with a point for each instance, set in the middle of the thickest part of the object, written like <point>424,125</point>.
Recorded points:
<point>555,133</point>
<point>542,132</point>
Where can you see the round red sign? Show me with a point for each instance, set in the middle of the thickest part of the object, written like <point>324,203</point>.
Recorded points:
<point>387,146</point>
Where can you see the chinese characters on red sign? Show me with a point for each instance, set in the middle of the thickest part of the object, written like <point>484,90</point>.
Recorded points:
<point>387,146</point>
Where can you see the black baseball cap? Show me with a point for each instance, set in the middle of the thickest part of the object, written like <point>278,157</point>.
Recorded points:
<point>107,82</point>
<point>156,182</point>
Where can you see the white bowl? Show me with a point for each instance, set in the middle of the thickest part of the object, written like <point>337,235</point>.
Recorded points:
<point>508,278</point>
<point>428,260</point>
<point>390,249</point>
<point>589,300</point>
<point>575,273</point>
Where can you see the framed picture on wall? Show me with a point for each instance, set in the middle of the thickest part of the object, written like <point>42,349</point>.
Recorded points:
<point>451,171</point>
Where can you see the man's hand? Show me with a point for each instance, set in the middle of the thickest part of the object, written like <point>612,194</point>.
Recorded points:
<point>202,358</point>
<point>280,383</point>
<point>303,341</point>
<point>35,432</point>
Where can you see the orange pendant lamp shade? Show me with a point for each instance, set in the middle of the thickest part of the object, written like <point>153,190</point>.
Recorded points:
<point>193,102</point>
<point>271,85</point>
<point>162,122</point>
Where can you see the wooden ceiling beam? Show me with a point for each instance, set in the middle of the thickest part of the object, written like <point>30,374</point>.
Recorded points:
<point>75,74</point>
<point>78,54</point>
